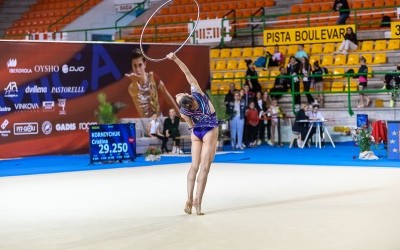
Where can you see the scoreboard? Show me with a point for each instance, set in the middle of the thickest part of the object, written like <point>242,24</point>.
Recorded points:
<point>112,142</point>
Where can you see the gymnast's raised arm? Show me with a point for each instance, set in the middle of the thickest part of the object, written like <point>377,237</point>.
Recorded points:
<point>190,78</point>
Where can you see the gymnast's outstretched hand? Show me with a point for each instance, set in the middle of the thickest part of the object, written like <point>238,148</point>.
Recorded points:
<point>171,56</point>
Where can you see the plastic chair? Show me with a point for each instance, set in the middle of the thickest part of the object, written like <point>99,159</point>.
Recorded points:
<point>236,52</point>
<point>316,48</point>
<point>329,48</point>
<point>214,53</point>
<point>225,53</point>
<point>394,44</point>
<point>258,51</point>
<point>221,65</point>
<point>247,52</point>
<point>340,60</point>
<point>367,46</point>
<point>231,65</point>
<point>327,60</point>
<point>380,58</point>
<point>353,59</point>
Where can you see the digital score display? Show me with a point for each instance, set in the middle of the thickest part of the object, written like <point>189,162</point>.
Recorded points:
<point>112,142</point>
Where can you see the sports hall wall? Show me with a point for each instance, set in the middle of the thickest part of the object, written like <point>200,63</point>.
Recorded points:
<point>49,90</point>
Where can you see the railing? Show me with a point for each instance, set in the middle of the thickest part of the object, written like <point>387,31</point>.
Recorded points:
<point>140,6</point>
<point>346,88</point>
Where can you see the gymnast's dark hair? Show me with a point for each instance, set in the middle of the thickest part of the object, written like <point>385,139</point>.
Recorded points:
<point>137,53</point>
<point>186,102</point>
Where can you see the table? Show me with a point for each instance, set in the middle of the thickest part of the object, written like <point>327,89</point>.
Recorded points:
<point>316,123</point>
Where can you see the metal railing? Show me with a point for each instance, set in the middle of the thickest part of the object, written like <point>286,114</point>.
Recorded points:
<point>346,87</point>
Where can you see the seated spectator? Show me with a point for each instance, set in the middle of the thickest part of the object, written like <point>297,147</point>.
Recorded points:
<point>301,53</point>
<point>350,42</point>
<point>171,130</point>
<point>282,84</point>
<point>299,126</point>
<point>316,115</point>
<point>153,130</point>
<point>277,59</point>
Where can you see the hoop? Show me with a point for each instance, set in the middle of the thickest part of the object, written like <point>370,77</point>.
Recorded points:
<point>180,47</point>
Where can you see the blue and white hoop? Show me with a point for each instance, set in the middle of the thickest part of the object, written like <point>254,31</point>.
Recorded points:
<point>180,47</point>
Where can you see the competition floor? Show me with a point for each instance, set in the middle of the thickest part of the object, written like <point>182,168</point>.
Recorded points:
<point>247,206</point>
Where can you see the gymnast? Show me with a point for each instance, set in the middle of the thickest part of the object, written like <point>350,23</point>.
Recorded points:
<point>197,110</point>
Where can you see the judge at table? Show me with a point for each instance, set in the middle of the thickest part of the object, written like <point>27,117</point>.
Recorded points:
<point>301,127</point>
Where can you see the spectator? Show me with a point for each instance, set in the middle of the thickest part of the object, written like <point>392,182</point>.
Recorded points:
<point>248,95</point>
<point>252,124</point>
<point>350,42</point>
<point>229,96</point>
<point>306,71</point>
<point>300,125</point>
<point>171,130</point>
<point>153,130</point>
<point>273,114</point>
<point>318,71</point>
<point>236,110</point>
<point>362,76</point>
<point>266,104</point>
<point>293,69</point>
<point>344,10</point>
<point>277,59</point>
<point>301,53</point>
<point>252,76</point>
<point>316,115</point>
<point>261,126</point>
<point>282,84</point>
<point>392,82</point>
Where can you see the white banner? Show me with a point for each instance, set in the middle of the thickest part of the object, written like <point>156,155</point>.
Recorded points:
<point>209,31</point>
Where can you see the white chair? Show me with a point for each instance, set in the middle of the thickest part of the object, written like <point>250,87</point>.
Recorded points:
<point>295,136</point>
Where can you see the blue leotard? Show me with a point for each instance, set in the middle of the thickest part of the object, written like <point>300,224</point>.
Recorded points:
<point>202,117</point>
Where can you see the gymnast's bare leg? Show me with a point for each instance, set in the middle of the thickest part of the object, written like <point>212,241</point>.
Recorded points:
<point>203,153</point>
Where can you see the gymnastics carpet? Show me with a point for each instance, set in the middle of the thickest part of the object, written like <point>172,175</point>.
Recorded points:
<point>261,198</point>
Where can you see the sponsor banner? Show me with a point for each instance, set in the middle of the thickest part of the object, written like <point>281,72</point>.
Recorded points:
<point>395,30</point>
<point>48,101</point>
<point>321,34</point>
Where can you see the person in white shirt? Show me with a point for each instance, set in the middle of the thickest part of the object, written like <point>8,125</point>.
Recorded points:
<point>153,130</point>
<point>316,117</point>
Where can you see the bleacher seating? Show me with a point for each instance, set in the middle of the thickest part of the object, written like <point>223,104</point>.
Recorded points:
<point>44,13</point>
<point>375,53</point>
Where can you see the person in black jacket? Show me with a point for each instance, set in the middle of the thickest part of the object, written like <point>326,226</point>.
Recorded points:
<point>300,125</point>
<point>252,76</point>
<point>350,42</point>
<point>344,10</point>
<point>392,82</point>
<point>282,83</point>
<point>171,130</point>
<point>293,69</point>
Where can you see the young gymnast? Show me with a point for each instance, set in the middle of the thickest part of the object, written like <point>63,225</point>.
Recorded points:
<point>200,115</point>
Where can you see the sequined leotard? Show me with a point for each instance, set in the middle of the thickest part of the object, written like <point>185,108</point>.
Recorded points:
<point>202,117</point>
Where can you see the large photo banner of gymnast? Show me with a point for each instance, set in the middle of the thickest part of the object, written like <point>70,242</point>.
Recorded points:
<point>49,90</point>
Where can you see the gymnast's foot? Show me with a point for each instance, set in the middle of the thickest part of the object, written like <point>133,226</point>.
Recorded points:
<point>188,207</point>
<point>197,206</point>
